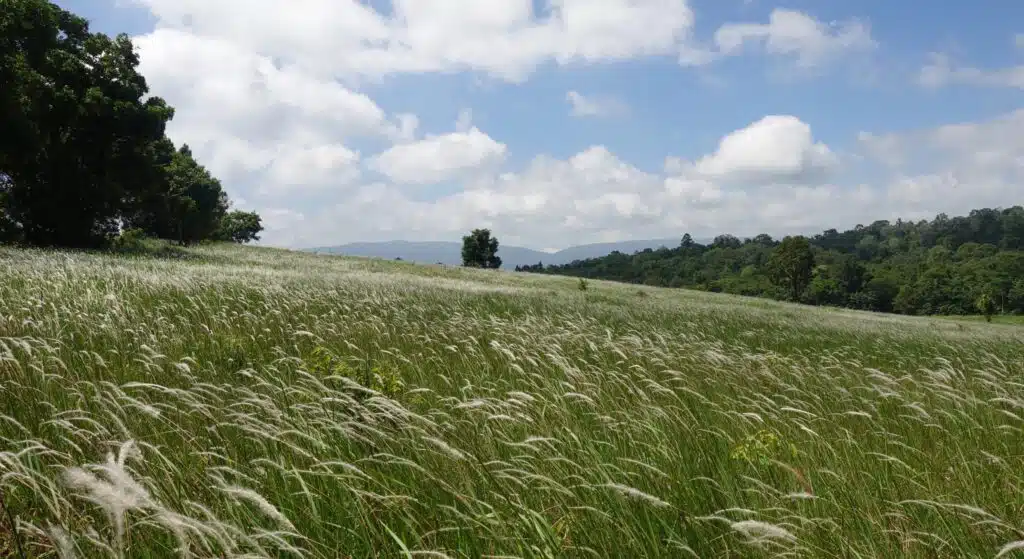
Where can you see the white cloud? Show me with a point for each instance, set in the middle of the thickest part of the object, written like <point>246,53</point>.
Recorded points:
<point>587,106</point>
<point>253,121</point>
<point>942,71</point>
<point>305,166</point>
<point>280,221</point>
<point>795,34</point>
<point>209,77</point>
<point>407,126</point>
<point>777,148</point>
<point>257,91</point>
<point>958,167</point>
<point>439,158</point>
<point>596,196</point>
<point>886,149</point>
<point>504,38</point>
<point>465,120</point>
<point>1018,40</point>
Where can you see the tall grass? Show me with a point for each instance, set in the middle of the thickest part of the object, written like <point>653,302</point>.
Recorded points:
<point>258,403</point>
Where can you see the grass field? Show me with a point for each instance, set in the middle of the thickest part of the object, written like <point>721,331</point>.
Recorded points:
<point>254,402</point>
<point>997,319</point>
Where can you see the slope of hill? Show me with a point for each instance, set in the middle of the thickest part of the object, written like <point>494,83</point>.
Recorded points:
<point>431,252</point>
<point>245,401</point>
<point>947,266</point>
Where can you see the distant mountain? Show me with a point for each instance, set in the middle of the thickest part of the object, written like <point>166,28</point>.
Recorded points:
<point>597,250</point>
<point>432,252</point>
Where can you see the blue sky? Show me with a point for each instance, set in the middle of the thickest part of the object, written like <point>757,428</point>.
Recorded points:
<point>706,116</point>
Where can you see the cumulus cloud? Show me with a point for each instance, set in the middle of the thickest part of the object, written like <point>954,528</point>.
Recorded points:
<point>267,96</point>
<point>280,222</point>
<point>505,38</point>
<point>941,71</point>
<point>595,196</point>
<point>954,168</point>
<point>249,118</point>
<point>438,158</point>
<point>798,35</point>
<point>775,149</point>
<point>594,106</point>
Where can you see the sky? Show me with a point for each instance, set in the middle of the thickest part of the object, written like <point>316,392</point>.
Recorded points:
<point>562,122</point>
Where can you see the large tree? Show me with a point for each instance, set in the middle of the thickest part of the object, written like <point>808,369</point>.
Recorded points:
<point>480,250</point>
<point>186,206</point>
<point>79,142</point>
<point>791,265</point>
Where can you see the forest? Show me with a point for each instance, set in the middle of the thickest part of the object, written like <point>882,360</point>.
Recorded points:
<point>964,265</point>
<point>84,158</point>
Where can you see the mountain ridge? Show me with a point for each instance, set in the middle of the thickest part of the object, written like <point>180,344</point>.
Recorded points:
<point>450,252</point>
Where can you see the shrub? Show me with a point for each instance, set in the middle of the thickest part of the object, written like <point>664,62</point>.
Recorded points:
<point>130,241</point>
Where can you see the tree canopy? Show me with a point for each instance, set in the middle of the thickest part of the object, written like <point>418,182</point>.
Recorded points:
<point>239,227</point>
<point>790,265</point>
<point>942,266</point>
<point>480,250</point>
<point>84,153</point>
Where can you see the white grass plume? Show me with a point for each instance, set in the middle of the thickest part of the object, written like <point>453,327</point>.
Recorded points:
<point>265,506</point>
<point>760,531</point>
<point>634,493</point>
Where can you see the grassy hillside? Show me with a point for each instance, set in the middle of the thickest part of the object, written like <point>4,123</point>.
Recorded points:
<point>242,401</point>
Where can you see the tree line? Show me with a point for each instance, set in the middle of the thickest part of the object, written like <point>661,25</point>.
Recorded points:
<point>946,266</point>
<point>83,150</point>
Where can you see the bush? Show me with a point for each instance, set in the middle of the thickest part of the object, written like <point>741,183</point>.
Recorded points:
<point>987,306</point>
<point>130,241</point>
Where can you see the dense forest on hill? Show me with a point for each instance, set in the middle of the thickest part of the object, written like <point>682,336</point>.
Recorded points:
<point>949,265</point>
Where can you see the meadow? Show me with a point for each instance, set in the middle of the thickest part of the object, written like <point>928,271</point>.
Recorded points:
<point>247,402</point>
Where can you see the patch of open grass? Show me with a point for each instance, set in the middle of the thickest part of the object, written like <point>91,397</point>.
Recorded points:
<point>996,319</point>
<point>266,403</point>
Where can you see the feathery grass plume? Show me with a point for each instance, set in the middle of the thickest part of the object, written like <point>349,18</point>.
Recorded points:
<point>62,541</point>
<point>445,448</point>
<point>1010,548</point>
<point>117,494</point>
<point>634,493</point>
<point>759,531</point>
<point>265,506</point>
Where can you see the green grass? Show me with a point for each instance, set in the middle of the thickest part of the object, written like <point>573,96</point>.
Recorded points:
<point>996,319</point>
<point>258,402</point>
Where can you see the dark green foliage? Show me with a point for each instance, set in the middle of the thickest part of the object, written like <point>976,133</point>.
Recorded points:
<point>480,250</point>
<point>10,230</point>
<point>78,138</point>
<point>187,207</point>
<point>83,151</point>
<point>129,241</point>
<point>239,227</point>
<point>791,265</point>
<point>986,306</point>
<point>941,266</point>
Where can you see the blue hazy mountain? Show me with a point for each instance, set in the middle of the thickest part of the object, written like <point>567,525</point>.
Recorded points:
<point>432,252</point>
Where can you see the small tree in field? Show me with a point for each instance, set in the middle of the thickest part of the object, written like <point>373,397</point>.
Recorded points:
<point>480,250</point>
<point>986,306</point>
